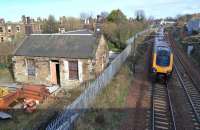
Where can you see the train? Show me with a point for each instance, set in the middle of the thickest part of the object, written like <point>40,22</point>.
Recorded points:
<point>161,58</point>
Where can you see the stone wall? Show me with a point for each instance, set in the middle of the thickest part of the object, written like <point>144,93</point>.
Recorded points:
<point>88,68</point>
<point>83,69</point>
<point>43,74</point>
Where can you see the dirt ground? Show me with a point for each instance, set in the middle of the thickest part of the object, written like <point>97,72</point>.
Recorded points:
<point>181,107</point>
<point>138,99</point>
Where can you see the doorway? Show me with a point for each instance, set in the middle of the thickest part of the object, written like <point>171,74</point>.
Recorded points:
<point>58,73</point>
<point>55,72</point>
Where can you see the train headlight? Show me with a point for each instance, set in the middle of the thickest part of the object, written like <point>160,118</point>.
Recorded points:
<point>154,70</point>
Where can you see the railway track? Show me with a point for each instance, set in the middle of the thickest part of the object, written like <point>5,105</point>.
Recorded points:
<point>192,91</point>
<point>162,111</point>
<point>190,87</point>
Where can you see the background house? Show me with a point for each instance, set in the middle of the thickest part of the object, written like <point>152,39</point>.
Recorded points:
<point>193,26</point>
<point>9,30</point>
<point>64,59</point>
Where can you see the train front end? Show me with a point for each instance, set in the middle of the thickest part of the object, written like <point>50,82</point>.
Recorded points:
<point>162,63</point>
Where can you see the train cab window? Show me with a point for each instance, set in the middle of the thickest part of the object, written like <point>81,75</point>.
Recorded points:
<point>163,58</point>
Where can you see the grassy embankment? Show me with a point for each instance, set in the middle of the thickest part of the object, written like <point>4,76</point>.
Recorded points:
<point>109,109</point>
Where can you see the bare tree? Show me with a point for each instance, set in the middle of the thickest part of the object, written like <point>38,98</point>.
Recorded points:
<point>70,23</point>
<point>104,14</point>
<point>140,15</point>
<point>84,15</point>
<point>50,25</point>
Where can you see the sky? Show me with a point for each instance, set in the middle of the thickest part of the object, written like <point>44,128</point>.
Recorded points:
<point>12,10</point>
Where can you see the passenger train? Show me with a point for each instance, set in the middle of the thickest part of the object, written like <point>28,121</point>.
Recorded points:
<point>162,58</point>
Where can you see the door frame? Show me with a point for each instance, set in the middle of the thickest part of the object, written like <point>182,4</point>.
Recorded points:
<point>53,72</point>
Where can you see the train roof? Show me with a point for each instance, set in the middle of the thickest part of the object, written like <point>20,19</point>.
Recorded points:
<point>160,39</point>
<point>161,43</point>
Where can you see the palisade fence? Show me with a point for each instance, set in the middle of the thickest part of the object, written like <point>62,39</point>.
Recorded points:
<point>66,119</point>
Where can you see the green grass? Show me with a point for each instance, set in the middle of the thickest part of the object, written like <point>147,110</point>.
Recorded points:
<point>109,105</point>
<point>113,48</point>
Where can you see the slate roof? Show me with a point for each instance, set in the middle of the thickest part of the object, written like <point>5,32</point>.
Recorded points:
<point>74,45</point>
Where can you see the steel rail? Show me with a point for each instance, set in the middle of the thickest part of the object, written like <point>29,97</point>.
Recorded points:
<point>169,108</point>
<point>187,94</point>
<point>181,62</point>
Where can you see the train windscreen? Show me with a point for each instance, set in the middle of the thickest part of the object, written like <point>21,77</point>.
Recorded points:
<point>163,57</point>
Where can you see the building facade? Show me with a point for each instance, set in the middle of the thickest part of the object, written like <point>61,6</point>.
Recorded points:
<point>193,25</point>
<point>9,30</point>
<point>64,59</point>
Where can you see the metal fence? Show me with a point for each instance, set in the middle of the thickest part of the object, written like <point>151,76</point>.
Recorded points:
<point>66,119</point>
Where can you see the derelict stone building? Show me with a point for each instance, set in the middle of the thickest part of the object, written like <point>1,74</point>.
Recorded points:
<point>64,59</point>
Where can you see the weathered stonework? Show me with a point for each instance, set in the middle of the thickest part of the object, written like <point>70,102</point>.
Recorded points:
<point>43,74</point>
<point>87,68</point>
<point>42,70</point>
<point>101,56</point>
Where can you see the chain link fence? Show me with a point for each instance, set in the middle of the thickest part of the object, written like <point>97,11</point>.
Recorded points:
<point>66,119</point>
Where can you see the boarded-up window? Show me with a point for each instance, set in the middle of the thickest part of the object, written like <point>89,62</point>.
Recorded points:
<point>31,67</point>
<point>73,70</point>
